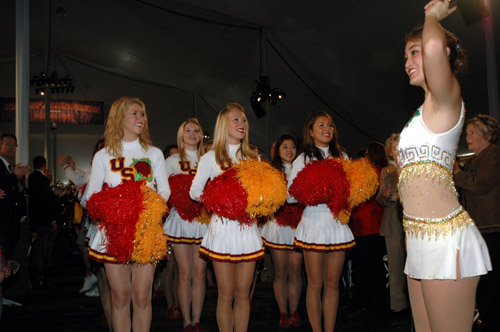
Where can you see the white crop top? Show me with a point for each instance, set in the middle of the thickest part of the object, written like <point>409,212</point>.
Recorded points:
<point>418,144</point>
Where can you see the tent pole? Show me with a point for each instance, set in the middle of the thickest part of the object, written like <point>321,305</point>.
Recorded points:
<point>22,80</point>
<point>491,68</point>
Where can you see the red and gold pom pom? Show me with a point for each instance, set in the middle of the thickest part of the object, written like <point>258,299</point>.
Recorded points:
<point>150,243</point>
<point>124,209</point>
<point>117,209</point>
<point>225,197</point>
<point>264,184</point>
<point>322,182</point>
<point>204,217</point>
<point>364,182</point>
<point>180,184</point>
<point>246,191</point>
<point>289,215</point>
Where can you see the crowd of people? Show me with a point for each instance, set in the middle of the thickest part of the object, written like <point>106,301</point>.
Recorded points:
<point>211,210</point>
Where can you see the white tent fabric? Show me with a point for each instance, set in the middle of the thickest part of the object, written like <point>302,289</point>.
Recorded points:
<point>190,58</point>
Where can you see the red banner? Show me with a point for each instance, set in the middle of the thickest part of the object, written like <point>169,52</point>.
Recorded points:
<point>61,111</point>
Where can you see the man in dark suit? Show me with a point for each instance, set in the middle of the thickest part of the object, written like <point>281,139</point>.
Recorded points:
<point>11,198</point>
<point>44,207</point>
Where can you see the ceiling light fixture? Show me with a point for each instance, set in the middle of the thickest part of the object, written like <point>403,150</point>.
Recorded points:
<point>263,92</point>
<point>53,82</point>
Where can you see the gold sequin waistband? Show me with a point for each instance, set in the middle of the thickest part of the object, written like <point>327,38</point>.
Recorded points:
<point>438,226</point>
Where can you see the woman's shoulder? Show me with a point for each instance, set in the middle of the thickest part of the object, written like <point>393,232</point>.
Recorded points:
<point>154,151</point>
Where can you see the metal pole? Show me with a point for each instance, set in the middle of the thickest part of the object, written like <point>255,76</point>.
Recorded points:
<point>22,80</point>
<point>491,67</point>
<point>48,124</point>
<point>263,72</point>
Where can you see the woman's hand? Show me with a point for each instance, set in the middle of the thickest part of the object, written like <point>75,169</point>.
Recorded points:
<point>456,167</point>
<point>440,8</point>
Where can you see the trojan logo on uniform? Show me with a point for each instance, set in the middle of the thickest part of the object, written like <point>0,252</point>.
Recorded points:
<point>140,169</point>
<point>186,167</point>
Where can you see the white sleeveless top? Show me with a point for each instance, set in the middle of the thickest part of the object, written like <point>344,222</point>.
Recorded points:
<point>418,144</point>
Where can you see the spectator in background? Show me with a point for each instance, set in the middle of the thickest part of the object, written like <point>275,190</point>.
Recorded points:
<point>368,267</point>
<point>392,227</point>
<point>10,175</point>
<point>480,184</point>
<point>44,207</point>
<point>170,150</point>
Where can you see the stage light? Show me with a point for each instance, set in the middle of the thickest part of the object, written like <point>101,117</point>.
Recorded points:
<point>263,92</point>
<point>56,84</point>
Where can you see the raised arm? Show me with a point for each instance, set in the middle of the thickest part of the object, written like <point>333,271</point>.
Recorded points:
<point>443,96</point>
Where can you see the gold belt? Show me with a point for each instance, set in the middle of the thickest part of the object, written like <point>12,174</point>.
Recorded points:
<point>437,226</point>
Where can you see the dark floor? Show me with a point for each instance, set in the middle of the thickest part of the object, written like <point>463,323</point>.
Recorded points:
<point>59,307</point>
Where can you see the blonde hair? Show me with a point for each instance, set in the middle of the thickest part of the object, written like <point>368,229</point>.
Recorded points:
<point>181,146</point>
<point>487,126</point>
<point>388,145</point>
<point>113,133</point>
<point>221,135</point>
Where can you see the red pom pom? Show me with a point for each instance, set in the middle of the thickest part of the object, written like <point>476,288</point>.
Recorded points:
<point>225,197</point>
<point>117,209</point>
<point>180,199</point>
<point>289,215</point>
<point>322,182</point>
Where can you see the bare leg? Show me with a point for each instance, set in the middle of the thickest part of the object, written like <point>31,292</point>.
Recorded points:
<point>418,309</point>
<point>244,277</point>
<point>105,295</point>
<point>142,284</point>
<point>199,285</point>
<point>314,268</point>
<point>225,274</point>
<point>280,262</point>
<point>334,261</point>
<point>168,280</point>
<point>184,257</point>
<point>119,284</point>
<point>294,279</point>
<point>450,303</point>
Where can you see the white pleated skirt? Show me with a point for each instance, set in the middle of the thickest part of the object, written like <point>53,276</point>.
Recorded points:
<point>319,231</point>
<point>228,241</point>
<point>182,231</point>
<point>276,236</point>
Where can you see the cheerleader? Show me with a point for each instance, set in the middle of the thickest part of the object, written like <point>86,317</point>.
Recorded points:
<point>320,235</point>
<point>186,235</point>
<point>232,246</point>
<point>278,237</point>
<point>128,156</point>
<point>446,253</point>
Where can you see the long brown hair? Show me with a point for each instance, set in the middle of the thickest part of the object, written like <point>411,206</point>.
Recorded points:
<point>311,151</point>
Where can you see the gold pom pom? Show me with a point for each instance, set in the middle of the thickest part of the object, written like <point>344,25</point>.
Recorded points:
<point>363,180</point>
<point>150,240</point>
<point>265,186</point>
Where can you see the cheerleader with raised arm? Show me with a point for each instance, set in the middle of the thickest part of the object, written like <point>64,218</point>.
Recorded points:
<point>445,251</point>
<point>278,234</point>
<point>233,241</point>
<point>322,237</point>
<point>182,225</point>
<point>126,195</point>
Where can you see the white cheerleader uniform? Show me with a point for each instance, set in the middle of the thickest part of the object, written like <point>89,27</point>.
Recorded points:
<point>276,236</point>
<point>318,229</point>
<point>114,171</point>
<point>438,229</point>
<point>178,229</point>
<point>226,240</point>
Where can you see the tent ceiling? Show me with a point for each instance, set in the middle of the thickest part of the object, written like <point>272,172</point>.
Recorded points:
<point>342,56</point>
